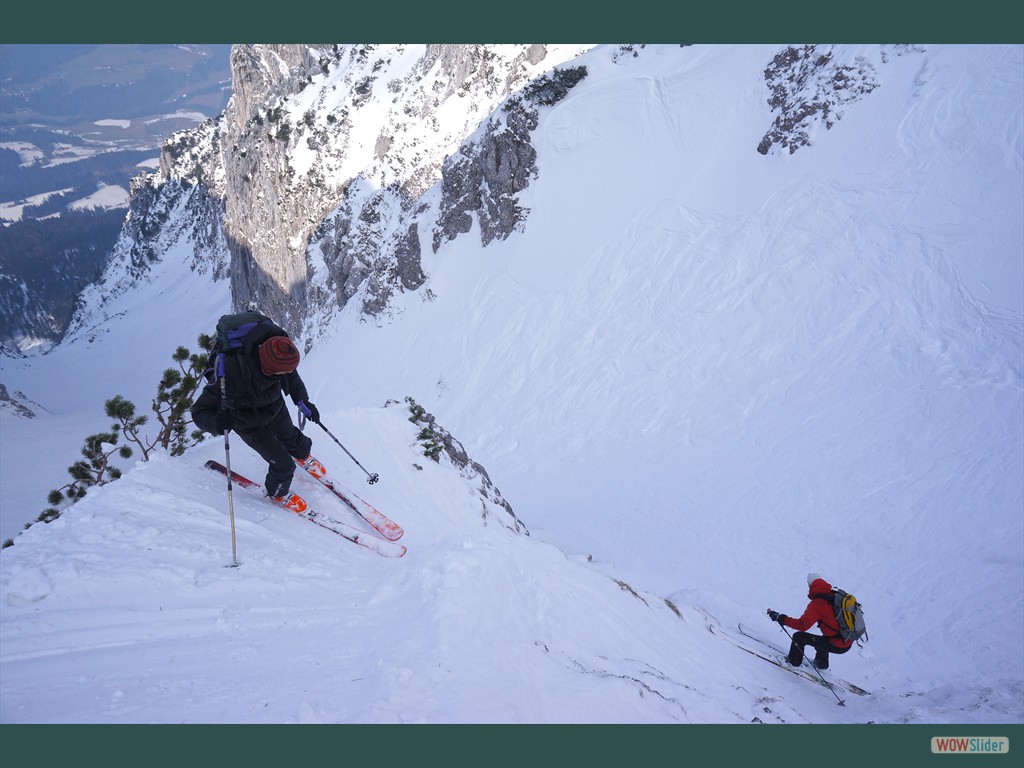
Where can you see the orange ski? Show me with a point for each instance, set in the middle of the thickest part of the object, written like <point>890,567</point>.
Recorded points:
<point>295,503</point>
<point>383,524</point>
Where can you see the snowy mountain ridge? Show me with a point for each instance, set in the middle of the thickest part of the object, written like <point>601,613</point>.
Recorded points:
<point>321,145</point>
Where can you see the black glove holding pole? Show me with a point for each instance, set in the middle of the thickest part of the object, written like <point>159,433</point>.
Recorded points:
<point>224,421</point>
<point>309,411</point>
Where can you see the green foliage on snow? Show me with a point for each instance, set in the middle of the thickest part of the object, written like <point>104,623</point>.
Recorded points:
<point>171,405</point>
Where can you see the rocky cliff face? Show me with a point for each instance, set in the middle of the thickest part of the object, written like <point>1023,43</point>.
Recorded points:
<point>810,88</point>
<point>270,208</point>
<point>323,154</point>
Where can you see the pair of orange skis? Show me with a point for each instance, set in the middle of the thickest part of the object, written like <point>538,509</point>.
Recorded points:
<point>385,544</point>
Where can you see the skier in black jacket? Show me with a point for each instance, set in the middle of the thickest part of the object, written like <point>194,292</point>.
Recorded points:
<point>256,378</point>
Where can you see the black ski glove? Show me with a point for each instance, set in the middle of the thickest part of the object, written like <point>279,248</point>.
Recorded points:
<point>224,421</point>
<point>775,616</point>
<point>310,410</point>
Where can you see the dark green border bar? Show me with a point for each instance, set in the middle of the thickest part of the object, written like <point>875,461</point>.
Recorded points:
<point>190,21</point>
<point>520,21</point>
<point>496,746</point>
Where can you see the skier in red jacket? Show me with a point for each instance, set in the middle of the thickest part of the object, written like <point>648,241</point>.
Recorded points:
<point>819,611</point>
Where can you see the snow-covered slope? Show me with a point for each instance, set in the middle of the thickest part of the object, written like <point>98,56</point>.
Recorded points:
<point>696,372</point>
<point>124,611</point>
<point>750,367</point>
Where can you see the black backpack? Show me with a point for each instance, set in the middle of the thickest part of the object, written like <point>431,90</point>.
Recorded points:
<point>232,331</point>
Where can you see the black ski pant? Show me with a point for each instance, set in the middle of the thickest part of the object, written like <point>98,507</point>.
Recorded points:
<point>279,443</point>
<point>822,648</point>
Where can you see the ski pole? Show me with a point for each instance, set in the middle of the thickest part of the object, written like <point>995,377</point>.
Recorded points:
<point>818,672</point>
<point>370,478</point>
<point>227,461</point>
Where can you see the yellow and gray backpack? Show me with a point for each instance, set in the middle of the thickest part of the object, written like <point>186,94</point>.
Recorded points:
<point>849,616</point>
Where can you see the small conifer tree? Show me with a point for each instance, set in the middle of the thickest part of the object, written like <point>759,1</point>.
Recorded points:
<point>172,404</point>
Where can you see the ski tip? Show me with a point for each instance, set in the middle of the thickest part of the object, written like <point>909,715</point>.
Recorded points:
<point>383,546</point>
<point>386,547</point>
<point>378,545</point>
